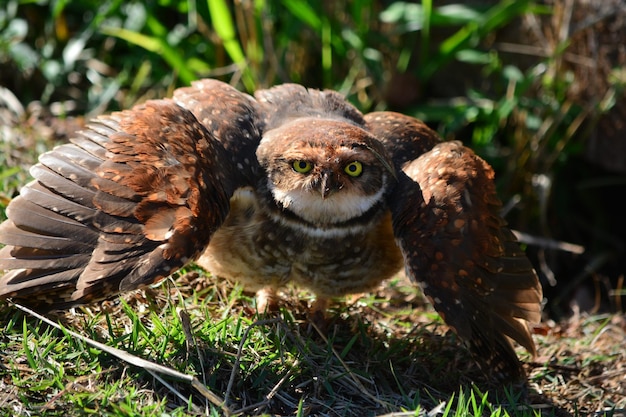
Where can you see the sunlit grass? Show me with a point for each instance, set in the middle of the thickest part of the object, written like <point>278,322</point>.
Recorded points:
<point>255,365</point>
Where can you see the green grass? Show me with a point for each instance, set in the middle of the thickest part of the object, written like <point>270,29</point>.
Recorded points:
<point>281,364</point>
<point>196,346</point>
<point>206,352</point>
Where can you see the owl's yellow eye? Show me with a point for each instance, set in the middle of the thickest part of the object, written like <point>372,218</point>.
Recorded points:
<point>302,166</point>
<point>354,169</point>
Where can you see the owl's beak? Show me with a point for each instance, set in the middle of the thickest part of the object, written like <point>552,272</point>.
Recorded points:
<point>327,184</point>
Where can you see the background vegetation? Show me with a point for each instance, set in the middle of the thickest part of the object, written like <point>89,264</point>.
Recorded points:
<point>536,88</point>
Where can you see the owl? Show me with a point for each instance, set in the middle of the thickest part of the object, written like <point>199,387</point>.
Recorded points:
<point>289,186</point>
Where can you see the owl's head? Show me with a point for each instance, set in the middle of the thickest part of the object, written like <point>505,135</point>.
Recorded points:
<point>325,171</point>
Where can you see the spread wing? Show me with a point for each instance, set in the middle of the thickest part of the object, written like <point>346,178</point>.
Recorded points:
<point>131,199</point>
<point>455,244</point>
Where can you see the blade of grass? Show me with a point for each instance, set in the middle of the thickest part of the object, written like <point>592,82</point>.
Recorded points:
<point>427,11</point>
<point>156,45</point>
<point>225,29</point>
<point>153,368</point>
<point>472,32</point>
<point>327,52</point>
<point>29,354</point>
<point>354,378</point>
<point>304,12</point>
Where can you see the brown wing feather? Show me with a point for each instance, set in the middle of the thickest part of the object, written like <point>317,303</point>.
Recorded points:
<point>131,199</point>
<point>456,245</point>
<point>406,138</point>
<point>229,115</point>
<point>283,102</point>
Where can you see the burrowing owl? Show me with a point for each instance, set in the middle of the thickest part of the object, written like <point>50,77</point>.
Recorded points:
<point>289,186</point>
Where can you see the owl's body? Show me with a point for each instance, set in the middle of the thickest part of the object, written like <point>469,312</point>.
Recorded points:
<point>334,239</point>
<point>289,186</point>
<point>261,253</point>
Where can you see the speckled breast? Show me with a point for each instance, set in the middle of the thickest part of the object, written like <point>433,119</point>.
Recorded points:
<point>262,250</point>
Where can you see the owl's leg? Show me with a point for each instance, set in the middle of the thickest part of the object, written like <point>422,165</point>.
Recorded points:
<point>318,307</point>
<point>266,300</point>
<point>317,313</point>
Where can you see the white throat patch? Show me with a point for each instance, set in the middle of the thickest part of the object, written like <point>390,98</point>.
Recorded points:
<point>337,208</point>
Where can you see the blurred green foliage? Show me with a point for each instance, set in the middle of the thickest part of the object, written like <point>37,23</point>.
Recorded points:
<point>107,54</point>
<point>94,57</point>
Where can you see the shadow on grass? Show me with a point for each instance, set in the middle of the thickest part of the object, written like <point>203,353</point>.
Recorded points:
<point>375,356</point>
